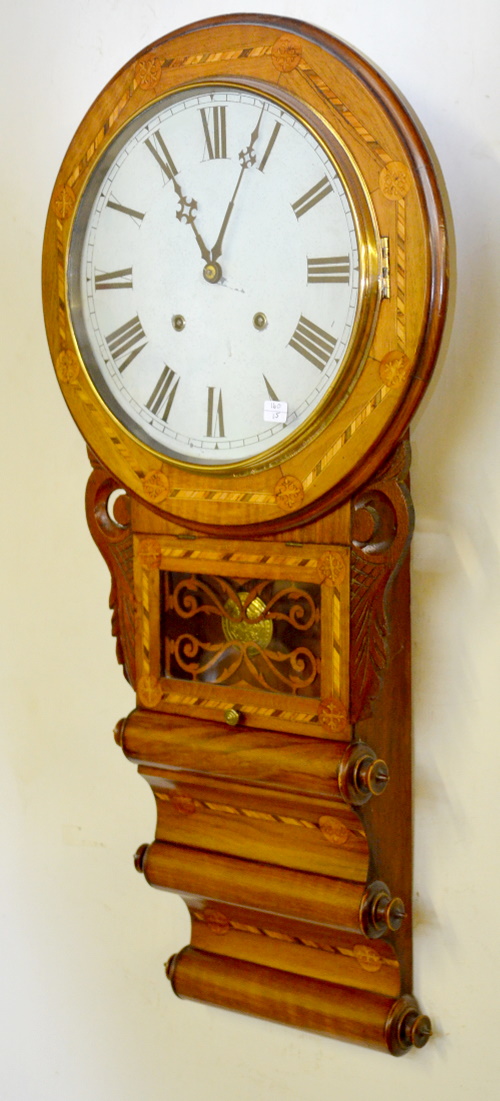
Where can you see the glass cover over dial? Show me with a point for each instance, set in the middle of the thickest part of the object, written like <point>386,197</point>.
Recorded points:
<point>214,275</point>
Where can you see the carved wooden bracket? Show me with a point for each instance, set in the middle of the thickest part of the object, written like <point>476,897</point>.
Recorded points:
<point>382,527</point>
<point>108,516</point>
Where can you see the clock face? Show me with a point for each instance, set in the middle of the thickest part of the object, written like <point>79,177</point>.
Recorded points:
<point>215,276</point>
<point>244,274</point>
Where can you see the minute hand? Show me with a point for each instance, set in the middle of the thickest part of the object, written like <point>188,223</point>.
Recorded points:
<point>247,158</point>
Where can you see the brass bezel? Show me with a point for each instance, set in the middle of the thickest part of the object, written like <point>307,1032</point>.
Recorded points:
<point>369,294</point>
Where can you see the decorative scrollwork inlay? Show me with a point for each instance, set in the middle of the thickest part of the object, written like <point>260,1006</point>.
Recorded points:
<point>394,369</point>
<point>64,202</point>
<point>150,554</point>
<point>156,487</point>
<point>332,568</point>
<point>335,831</point>
<point>333,716</point>
<point>366,957</point>
<point>395,181</point>
<point>148,72</point>
<point>286,53</point>
<point>149,691</point>
<point>249,636</point>
<point>288,493</point>
<point>67,366</point>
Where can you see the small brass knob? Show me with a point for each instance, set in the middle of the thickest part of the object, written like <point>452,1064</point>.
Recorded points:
<point>232,716</point>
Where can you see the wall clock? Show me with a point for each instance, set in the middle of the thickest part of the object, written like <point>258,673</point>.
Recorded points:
<point>245,279</point>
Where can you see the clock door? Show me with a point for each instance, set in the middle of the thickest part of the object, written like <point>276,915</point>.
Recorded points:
<point>247,633</point>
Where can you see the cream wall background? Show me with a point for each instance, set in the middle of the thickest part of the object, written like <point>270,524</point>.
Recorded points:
<point>86,1014</point>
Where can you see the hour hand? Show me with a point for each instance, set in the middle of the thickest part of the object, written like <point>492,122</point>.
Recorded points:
<point>186,212</point>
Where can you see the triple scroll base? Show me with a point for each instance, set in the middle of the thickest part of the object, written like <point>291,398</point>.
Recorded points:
<point>283,817</point>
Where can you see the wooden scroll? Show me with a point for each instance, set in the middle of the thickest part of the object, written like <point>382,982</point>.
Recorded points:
<point>281,841</point>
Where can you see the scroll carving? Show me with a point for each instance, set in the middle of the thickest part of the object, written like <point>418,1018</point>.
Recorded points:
<point>382,526</point>
<point>110,527</point>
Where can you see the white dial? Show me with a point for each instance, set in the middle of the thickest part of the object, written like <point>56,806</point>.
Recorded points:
<point>214,275</point>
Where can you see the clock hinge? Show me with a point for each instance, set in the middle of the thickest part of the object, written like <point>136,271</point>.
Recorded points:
<point>385,275</point>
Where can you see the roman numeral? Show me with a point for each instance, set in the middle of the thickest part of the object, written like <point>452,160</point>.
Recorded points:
<point>157,147</point>
<point>114,280</point>
<point>127,339</point>
<point>215,414</point>
<point>271,142</point>
<point>313,343</point>
<point>214,127</point>
<point>315,195</point>
<point>135,214</point>
<point>164,393</point>
<point>328,269</point>
<point>272,395</point>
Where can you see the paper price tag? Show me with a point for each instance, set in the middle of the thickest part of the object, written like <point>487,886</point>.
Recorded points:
<point>275,411</point>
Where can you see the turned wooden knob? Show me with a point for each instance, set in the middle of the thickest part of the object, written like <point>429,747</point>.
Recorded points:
<point>390,911</point>
<point>361,774</point>
<point>119,731</point>
<point>372,776</point>
<point>417,1029</point>
<point>406,1026</point>
<point>139,857</point>
<point>170,966</point>
<point>380,913</point>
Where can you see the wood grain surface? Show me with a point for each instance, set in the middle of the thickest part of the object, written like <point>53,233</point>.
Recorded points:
<point>263,613</point>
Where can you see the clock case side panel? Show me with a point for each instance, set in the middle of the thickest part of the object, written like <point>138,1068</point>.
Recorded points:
<point>381,712</point>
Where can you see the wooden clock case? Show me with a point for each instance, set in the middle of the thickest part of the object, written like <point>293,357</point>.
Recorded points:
<point>263,618</point>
